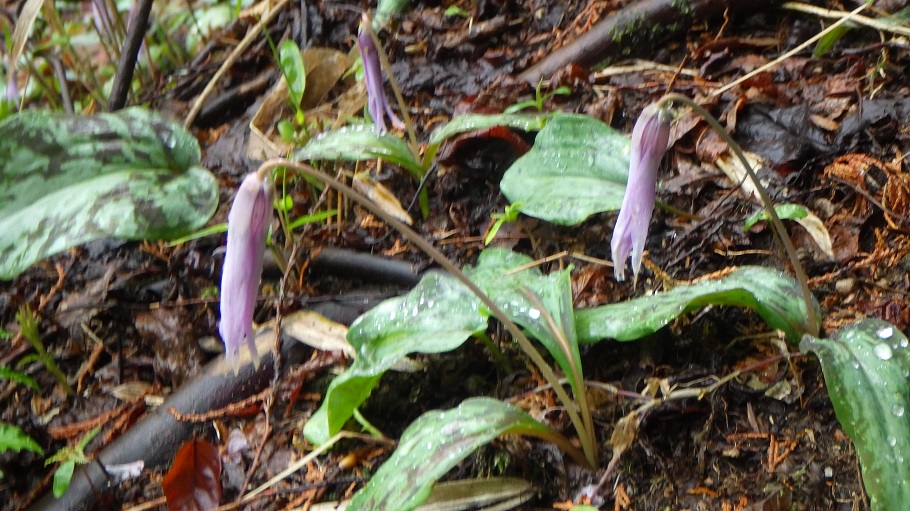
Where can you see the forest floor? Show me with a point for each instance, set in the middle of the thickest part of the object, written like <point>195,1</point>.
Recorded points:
<point>765,442</point>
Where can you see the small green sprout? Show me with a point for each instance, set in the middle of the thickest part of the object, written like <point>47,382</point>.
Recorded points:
<point>28,327</point>
<point>454,10</point>
<point>68,457</point>
<point>509,215</point>
<point>538,100</point>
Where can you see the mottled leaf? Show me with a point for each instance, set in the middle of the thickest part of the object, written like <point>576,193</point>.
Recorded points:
<point>356,143</point>
<point>194,481</point>
<point>436,442</point>
<point>497,276</point>
<point>438,315</point>
<point>866,367</point>
<point>68,179</point>
<point>774,295</point>
<point>577,167</point>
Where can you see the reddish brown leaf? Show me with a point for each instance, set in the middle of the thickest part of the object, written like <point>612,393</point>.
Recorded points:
<point>194,481</point>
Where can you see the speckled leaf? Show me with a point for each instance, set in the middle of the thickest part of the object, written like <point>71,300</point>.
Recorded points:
<point>68,179</point>
<point>774,295</point>
<point>495,274</point>
<point>355,143</point>
<point>577,167</point>
<point>867,366</point>
<point>433,444</point>
<point>437,315</point>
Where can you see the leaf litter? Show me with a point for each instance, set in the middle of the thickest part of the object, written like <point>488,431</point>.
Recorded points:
<point>731,449</point>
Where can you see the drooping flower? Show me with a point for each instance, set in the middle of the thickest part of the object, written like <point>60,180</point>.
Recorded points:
<point>650,139</point>
<point>248,226</point>
<point>372,74</point>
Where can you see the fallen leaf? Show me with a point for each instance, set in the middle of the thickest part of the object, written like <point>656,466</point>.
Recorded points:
<point>194,481</point>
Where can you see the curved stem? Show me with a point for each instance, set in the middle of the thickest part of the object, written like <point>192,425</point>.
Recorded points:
<point>384,60</point>
<point>585,436</point>
<point>779,228</point>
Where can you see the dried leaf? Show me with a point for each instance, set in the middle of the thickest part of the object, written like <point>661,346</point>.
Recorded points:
<point>194,481</point>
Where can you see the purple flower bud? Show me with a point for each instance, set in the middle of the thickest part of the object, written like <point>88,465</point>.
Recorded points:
<point>12,91</point>
<point>372,74</point>
<point>248,226</point>
<point>650,138</point>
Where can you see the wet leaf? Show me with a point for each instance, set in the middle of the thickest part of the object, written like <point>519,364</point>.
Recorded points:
<point>578,167</point>
<point>193,482</point>
<point>357,143</point>
<point>495,274</point>
<point>436,442</point>
<point>68,179</point>
<point>437,315</point>
<point>476,122</point>
<point>774,295</point>
<point>866,367</point>
<point>14,439</point>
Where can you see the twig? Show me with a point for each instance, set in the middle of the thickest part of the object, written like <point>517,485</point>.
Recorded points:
<point>850,15</point>
<point>245,43</point>
<point>859,19</point>
<point>131,44</point>
<point>421,243</point>
<point>639,24</point>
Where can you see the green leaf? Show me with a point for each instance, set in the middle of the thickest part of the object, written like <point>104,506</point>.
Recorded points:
<point>386,10</point>
<point>495,274</point>
<point>291,62</point>
<point>438,315</point>
<point>774,295</point>
<point>474,122</point>
<point>577,167</point>
<point>19,377</point>
<point>784,211</point>
<point>68,179</point>
<point>828,41</point>
<point>866,367</point>
<point>14,439</point>
<point>62,477</point>
<point>811,223</point>
<point>357,143</point>
<point>434,444</point>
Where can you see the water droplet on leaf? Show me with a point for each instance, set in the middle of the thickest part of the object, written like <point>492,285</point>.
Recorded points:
<point>882,351</point>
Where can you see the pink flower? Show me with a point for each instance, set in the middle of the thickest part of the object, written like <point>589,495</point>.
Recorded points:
<point>248,226</point>
<point>650,139</point>
<point>372,74</point>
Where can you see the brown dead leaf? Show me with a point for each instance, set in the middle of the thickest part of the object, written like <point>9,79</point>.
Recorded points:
<point>194,481</point>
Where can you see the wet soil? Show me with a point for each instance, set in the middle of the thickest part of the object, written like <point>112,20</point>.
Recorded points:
<point>130,323</point>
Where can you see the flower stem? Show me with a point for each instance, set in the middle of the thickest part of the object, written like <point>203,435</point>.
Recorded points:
<point>812,326</point>
<point>589,446</point>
